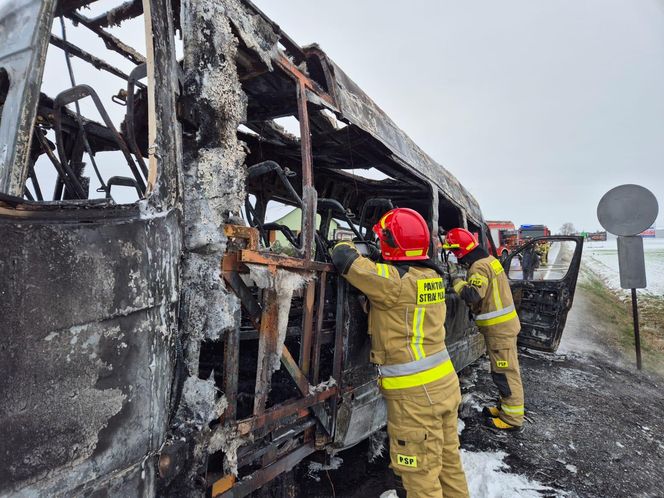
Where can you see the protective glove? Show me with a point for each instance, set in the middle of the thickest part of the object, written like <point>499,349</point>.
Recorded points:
<point>458,284</point>
<point>368,250</point>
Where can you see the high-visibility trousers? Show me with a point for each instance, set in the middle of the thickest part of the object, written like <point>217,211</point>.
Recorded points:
<point>506,376</point>
<point>424,443</point>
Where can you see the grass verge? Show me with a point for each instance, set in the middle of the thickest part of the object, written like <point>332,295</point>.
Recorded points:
<point>617,310</point>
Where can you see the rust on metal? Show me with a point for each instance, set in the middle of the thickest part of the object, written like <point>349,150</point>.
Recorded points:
<point>272,259</point>
<point>267,348</point>
<point>241,232</point>
<point>231,368</point>
<point>307,327</point>
<point>260,477</point>
<point>276,413</point>
<point>222,485</point>
<point>308,83</point>
<point>296,374</point>
<point>318,331</point>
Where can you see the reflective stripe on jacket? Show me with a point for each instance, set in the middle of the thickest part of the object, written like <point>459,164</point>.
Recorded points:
<point>494,313</point>
<point>406,318</point>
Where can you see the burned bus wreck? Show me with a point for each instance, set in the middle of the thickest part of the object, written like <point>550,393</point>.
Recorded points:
<point>156,342</point>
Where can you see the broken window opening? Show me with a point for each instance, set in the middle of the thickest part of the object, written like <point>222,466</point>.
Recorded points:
<point>90,139</point>
<point>370,174</point>
<point>332,118</point>
<point>289,124</point>
<point>449,215</point>
<point>246,130</point>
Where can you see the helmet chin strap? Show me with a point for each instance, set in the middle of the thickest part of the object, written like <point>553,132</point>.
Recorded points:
<point>389,238</point>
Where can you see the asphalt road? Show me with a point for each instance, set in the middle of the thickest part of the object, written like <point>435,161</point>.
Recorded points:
<point>595,424</point>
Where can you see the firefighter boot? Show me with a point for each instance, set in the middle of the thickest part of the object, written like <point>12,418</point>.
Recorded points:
<point>490,411</point>
<point>496,423</point>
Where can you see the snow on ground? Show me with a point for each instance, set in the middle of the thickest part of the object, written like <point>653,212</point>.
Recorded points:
<point>487,478</point>
<point>390,494</point>
<point>602,259</point>
<point>485,472</point>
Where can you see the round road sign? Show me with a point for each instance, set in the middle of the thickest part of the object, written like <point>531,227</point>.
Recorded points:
<point>627,210</point>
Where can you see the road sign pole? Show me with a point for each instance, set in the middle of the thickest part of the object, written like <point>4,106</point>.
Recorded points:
<point>626,211</point>
<point>637,338</point>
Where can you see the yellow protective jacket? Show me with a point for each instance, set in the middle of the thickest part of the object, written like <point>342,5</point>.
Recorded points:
<point>406,319</point>
<point>488,292</point>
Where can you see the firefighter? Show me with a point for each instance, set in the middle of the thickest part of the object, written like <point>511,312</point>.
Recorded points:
<point>416,377</point>
<point>487,292</point>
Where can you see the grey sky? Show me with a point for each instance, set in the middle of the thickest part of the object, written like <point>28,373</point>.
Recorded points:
<point>538,107</point>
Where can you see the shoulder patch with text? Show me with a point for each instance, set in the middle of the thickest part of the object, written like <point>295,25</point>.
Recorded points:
<point>430,291</point>
<point>478,280</point>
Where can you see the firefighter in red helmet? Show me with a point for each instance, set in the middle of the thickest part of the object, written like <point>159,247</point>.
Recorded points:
<point>417,378</point>
<point>487,292</point>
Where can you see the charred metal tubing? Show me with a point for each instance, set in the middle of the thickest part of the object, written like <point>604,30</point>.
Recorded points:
<point>307,326</point>
<point>288,233</point>
<point>136,74</point>
<point>35,182</point>
<point>261,169</point>
<point>318,331</point>
<point>296,374</point>
<point>111,42</point>
<point>120,181</point>
<point>241,290</point>
<point>335,205</point>
<point>77,93</point>
<point>276,414</point>
<point>64,171</point>
<point>339,340</point>
<point>232,367</point>
<point>280,261</point>
<point>266,474</point>
<point>377,201</point>
<point>265,167</point>
<point>249,453</point>
<point>254,220</point>
<point>309,208</point>
<point>116,15</point>
<point>98,63</point>
<point>267,347</point>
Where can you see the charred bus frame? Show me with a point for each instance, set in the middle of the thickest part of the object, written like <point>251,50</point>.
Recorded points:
<point>139,315</point>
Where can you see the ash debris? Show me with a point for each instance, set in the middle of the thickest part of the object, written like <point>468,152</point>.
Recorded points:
<point>214,173</point>
<point>285,283</point>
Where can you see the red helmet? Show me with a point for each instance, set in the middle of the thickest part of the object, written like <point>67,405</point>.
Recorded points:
<point>460,241</point>
<point>403,234</point>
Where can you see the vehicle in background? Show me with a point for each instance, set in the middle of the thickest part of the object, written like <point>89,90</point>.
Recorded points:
<point>504,235</point>
<point>528,232</point>
<point>595,236</point>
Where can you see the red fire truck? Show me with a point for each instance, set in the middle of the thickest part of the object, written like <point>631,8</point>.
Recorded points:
<point>504,235</point>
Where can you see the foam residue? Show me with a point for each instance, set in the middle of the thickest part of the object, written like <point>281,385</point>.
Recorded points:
<point>323,386</point>
<point>200,401</point>
<point>227,439</point>
<point>316,467</point>
<point>377,442</point>
<point>461,425</point>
